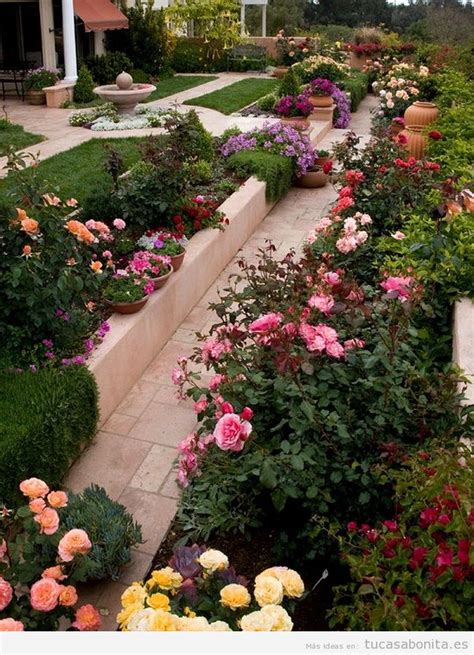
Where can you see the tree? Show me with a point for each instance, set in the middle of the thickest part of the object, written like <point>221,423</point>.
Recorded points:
<point>348,12</point>
<point>288,15</point>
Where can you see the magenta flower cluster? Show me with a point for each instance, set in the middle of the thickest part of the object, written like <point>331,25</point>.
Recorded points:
<point>278,139</point>
<point>292,106</point>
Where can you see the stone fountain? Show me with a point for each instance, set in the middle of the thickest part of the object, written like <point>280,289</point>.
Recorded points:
<point>124,94</point>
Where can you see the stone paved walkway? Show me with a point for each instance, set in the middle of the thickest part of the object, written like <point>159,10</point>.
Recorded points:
<point>53,123</point>
<point>133,454</point>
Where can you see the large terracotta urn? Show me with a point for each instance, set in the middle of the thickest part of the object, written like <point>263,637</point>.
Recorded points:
<point>300,123</point>
<point>321,101</point>
<point>416,140</point>
<point>421,113</point>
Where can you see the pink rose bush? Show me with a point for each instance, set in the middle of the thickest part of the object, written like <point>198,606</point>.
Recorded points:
<point>40,560</point>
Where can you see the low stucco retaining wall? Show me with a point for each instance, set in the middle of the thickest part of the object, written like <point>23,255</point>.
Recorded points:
<point>463,342</point>
<point>135,340</point>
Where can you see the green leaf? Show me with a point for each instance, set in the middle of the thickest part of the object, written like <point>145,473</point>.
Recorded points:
<point>307,410</point>
<point>268,476</point>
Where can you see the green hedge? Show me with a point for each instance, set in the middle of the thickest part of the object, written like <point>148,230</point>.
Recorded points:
<point>275,170</point>
<point>357,85</point>
<point>191,55</point>
<point>45,418</point>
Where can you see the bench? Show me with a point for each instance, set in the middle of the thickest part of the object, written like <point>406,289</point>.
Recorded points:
<point>14,72</point>
<point>248,53</point>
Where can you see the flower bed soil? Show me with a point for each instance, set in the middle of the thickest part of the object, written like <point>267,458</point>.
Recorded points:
<point>249,558</point>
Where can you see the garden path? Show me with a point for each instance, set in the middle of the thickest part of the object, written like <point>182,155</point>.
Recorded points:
<point>53,123</point>
<point>133,454</point>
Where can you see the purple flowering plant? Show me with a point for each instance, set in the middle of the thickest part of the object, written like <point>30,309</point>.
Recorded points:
<point>294,106</point>
<point>278,139</point>
<point>342,113</point>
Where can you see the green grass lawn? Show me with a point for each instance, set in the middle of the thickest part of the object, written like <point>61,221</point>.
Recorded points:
<point>76,171</point>
<point>171,85</point>
<point>235,96</point>
<point>14,135</point>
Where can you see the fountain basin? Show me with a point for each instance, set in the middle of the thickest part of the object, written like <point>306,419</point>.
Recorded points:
<point>124,99</point>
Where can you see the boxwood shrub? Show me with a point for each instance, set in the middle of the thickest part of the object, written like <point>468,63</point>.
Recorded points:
<point>273,169</point>
<point>45,418</point>
<point>356,85</point>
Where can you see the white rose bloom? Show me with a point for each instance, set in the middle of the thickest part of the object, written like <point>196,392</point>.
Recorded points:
<point>140,621</point>
<point>268,591</point>
<point>281,620</point>
<point>257,622</point>
<point>213,560</point>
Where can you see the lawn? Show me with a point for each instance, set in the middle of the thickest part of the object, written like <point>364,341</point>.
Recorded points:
<point>14,135</point>
<point>74,172</point>
<point>235,96</point>
<point>171,85</point>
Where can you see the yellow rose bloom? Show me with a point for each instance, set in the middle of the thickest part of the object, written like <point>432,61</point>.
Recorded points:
<point>165,578</point>
<point>133,594</point>
<point>159,601</point>
<point>293,585</point>
<point>235,596</point>
<point>281,620</point>
<point>268,591</point>
<point>195,624</point>
<point>124,616</point>
<point>213,560</point>
<point>189,612</point>
<point>256,622</point>
<point>219,626</point>
<point>162,621</point>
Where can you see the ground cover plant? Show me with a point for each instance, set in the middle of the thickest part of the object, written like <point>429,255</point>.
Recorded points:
<point>235,96</point>
<point>12,135</point>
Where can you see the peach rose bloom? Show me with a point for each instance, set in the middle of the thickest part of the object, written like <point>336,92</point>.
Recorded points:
<point>55,572</point>
<point>27,250</point>
<point>68,596</point>
<point>96,267</point>
<point>34,488</point>
<point>85,235</point>
<point>10,625</point>
<point>6,593</point>
<point>87,618</point>
<point>44,595</point>
<point>48,521</point>
<point>73,543</point>
<point>37,505</point>
<point>74,227</point>
<point>57,499</point>
<point>30,226</point>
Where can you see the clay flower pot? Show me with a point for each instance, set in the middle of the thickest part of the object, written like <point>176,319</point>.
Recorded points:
<point>159,282</point>
<point>300,123</point>
<point>35,97</point>
<point>280,71</point>
<point>128,307</point>
<point>421,113</point>
<point>396,128</point>
<point>177,260</point>
<point>416,140</point>
<point>321,101</point>
<point>320,161</point>
<point>314,178</point>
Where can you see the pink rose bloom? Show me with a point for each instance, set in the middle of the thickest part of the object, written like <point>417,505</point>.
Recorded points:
<point>313,340</point>
<point>399,236</point>
<point>346,244</point>
<point>48,521</point>
<point>350,225</point>
<point>102,227</point>
<point>231,432</point>
<point>87,619</point>
<point>119,224</point>
<point>355,296</point>
<point>398,287</point>
<point>266,323</point>
<point>55,572</point>
<point>6,593</point>
<point>361,237</point>
<point>345,192</point>
<point>34,488</point>
<point>177,376</point>
<point>216,381</point>
<point>213,349</point>
<point>37,505</point>
<point>354,343</point>
<point>90,224</point>
<point>290,329</point>
<point>72,202</point>
<point>107,254</point>
<point>246,414</point>
<point>200,406</point>
<point>75,542</point>
<point>199,199</point>
<point>332,278</point>
<point>334,349</point>
<point>365,219</point>
<point>323,224</point>
<point>44,595</point>
<point>10,625</point>
<point>321,302</point>
<point>57,499</point>
<point>227,408</point>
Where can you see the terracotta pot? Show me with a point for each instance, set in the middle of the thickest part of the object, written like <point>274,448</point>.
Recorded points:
<point>159,282</point>
<point>321,101</point>
<point>396,128</point>
<point>128,307</point>
<point>320,161</point>
<point>421,113</point>
<point>416,140</point>
<point>299,123</point>
<point>177,261</point>
<point>358,61</point>
<point>35,97</point>
<point>313,179</point>
<point>280,71</point>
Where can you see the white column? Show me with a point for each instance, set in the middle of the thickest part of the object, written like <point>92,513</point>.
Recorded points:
<point>47,33</point>
<point>264,20</point>
<point>69,39</point>
<point>242,19</point>
<point>99,46</point>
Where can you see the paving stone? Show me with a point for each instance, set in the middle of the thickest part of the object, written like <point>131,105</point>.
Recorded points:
<point>119,424</point>
<point>138,398</point>
<point>164,424</point>
<point>154,469</point>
